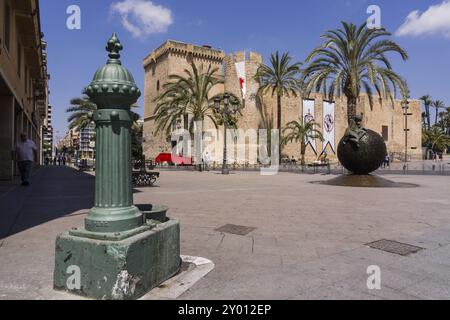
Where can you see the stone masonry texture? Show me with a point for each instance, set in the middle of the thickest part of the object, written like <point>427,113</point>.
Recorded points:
<point>174,57</point>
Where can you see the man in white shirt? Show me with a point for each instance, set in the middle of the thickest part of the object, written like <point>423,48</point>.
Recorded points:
<point>25,155</point>
<point>207,160</point>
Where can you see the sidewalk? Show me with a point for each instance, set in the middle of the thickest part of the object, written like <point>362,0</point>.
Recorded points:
<point>308,240</point>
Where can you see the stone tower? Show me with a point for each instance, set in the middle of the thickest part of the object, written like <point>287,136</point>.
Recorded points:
<point>251,113</point>
<point>171,58</point>
<point>174,57</point>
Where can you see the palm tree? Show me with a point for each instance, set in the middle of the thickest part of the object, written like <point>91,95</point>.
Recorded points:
<point>266,120</point>
<point>444,122</point>
<point>351,59</point>
<point>188,94</point>
<point>81,113</point>
<point>299,131</point>
<point>435,138</point>
<point>426,99</point>
<point>191,95</point>
<point>424,121</point>
<point>281,78</point>
<point>437,105</point>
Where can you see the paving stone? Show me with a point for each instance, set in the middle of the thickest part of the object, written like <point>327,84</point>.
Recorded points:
<point>309,241</point>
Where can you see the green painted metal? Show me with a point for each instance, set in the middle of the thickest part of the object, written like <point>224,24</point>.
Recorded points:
<point>113,90</point>
<point>122,252</point>
<point>118,270</point>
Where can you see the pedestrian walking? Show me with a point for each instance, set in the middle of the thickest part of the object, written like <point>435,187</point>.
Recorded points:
<point>207,160</point>
<point>25,154</point>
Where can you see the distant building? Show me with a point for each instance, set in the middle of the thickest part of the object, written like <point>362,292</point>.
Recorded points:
<point>23,78</point>
<point>238,71</point>
<point>47,145</point>
<point>86,148</point>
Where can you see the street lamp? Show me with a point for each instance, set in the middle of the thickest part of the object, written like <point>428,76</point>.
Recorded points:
<point>225,112</point>
<point>405,107</point>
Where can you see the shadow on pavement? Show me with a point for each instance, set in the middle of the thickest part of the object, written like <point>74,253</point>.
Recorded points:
<point>54,192</point>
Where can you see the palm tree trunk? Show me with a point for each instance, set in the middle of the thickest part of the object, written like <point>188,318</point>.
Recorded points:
<point>436,121</point>
<point>302,152</point>
<point>427,111</point>
<point>351,108</point>
<point>279,125</point>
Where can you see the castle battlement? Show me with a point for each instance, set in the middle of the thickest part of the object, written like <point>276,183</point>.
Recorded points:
<point>181,48</point>
<point>238,71</point>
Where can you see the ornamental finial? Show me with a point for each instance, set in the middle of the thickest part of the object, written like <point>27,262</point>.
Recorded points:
<point>114,47</point>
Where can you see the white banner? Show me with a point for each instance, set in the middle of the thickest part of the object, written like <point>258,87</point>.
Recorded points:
<point>328,125</point>
<point>309,116</point>
<point>240,69</point>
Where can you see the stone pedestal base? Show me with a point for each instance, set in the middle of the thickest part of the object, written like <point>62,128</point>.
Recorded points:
<point>125,267</point>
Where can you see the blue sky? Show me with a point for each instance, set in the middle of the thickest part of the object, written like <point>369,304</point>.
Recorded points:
<point>257,25</point>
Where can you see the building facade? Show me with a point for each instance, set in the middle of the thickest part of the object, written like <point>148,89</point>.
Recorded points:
<point>86,150</point>
<point>47,130</point>
<point>238,71</point>
<point>23,79</point>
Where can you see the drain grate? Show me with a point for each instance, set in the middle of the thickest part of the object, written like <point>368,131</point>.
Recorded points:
<point>395,247</point>
<point>235,229</point>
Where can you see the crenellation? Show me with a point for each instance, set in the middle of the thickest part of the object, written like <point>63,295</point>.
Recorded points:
<point>174,56</point>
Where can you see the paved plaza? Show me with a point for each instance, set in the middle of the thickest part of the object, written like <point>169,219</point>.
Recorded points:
<point>308,240</point>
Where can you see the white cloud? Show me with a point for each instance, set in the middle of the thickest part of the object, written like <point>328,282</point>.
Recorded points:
<point>143,17</point>
<point>435,20</point>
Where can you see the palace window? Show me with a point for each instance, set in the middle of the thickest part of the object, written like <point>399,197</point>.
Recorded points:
<point>157,85</point>
<point>385,133</point>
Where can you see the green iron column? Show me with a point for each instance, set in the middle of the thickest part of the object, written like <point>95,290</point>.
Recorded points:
<point>124,250</point>
<point>113,90</point>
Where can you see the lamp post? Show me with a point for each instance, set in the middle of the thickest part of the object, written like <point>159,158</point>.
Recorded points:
<point>225,112</point>
<point>405,107</point>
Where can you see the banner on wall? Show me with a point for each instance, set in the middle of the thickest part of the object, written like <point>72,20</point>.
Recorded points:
<point>309,116</point>
<point>328,126</point>
<point>240,69</point>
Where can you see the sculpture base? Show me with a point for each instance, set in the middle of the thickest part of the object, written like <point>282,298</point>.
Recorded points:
<point>118,269</point>
<point>365,181</point>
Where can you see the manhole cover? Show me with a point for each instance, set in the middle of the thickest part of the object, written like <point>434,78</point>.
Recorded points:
<point>234,229</point>
<point>395,247</point>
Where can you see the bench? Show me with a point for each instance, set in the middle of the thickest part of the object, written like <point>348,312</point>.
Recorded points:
<point>140,176</point>
<point>144,178</point>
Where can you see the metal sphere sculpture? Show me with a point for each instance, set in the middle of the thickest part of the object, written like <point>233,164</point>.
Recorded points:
<point>361,151</point>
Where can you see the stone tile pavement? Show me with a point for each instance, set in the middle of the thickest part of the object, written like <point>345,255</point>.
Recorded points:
<point>309,241</point>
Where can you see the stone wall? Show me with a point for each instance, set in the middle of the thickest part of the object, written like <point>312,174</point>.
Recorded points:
<point>172,58</point>
<point>261,113</point>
